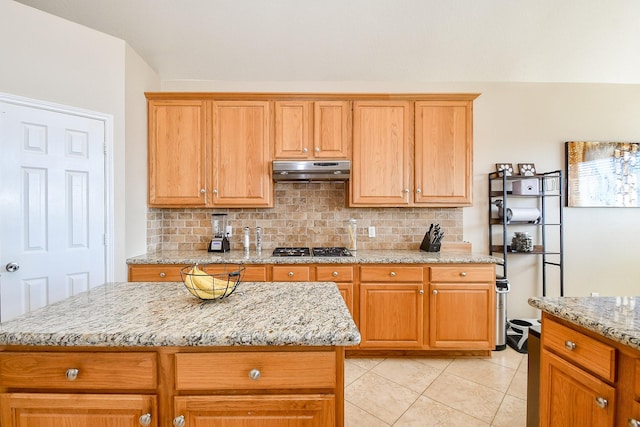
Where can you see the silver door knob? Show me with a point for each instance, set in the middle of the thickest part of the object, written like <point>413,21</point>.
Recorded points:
<point>178,421</point>
<point>392,274</point>
<point>72,374</point>
<point>632,422</point>
<point>254,374</point>
<point>601,402</point>
<point>317,150</point>
<point>463,274</point>
<point>12,266</point>
<point>291,274</point>
<point>418,190</point>
<point>202,190</point>
<point>570,345</point>
<point>334,274</point>
<point>163,274</point>
<point>145,419</point>
<point>304,150</point>
<point>421,292</point>
<point>435,292</point>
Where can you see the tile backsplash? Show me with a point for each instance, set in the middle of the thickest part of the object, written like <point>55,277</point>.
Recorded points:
<point>304,214</point>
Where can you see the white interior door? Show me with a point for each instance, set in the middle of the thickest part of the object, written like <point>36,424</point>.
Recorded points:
<point>52,206</point>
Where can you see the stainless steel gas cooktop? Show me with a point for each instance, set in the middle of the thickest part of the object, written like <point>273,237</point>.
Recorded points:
<point>302,251</point>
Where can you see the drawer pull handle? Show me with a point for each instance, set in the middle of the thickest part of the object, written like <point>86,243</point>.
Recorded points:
<point>570,345</point>
<point>254,374</point>
<point>291,274</point>
<point>334,274</point>
<point>163,274</point>
<point>633,422</point>
<point>72,374</point>
<point>178,421</point>
<point>392,274</point>
<point>145,419</point>
<point>463,273</point>
<point>601,402</point>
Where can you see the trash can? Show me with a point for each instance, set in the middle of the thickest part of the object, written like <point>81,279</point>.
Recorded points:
<point>502,289</point>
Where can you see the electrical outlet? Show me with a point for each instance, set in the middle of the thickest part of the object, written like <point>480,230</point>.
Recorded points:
<point>372,231</point>
<point>595,294</point>
<point>229,231</point>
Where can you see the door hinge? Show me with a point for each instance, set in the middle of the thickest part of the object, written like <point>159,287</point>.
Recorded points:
<point>105,239</point>
<point>104,147</point>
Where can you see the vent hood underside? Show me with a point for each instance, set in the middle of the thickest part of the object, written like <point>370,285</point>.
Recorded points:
<point>311,170</point>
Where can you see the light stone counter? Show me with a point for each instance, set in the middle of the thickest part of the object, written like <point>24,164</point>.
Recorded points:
<point>154,314</point>
<point>360,257</point>
<point>616,318</point>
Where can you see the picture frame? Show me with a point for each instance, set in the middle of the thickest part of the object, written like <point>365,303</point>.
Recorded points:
<point>602,174</point>
<point>504,168</point>
<point>526,169</point>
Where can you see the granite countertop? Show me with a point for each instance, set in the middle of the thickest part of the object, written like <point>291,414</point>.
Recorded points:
<point>616,318</point>
<point>360,257</point>
<point>151,314</point>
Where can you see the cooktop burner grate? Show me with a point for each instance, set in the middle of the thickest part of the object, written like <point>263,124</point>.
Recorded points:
<point>331,252</point>
<point>291,252</point>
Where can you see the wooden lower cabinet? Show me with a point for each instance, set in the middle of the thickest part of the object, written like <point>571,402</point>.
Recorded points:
<point>77,410</point>
<point>585,378</point>
<point>180,386</point>
<point>171,272</point>
<point>255,411</point>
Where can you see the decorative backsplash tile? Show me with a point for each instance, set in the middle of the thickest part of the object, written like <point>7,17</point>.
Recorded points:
<point>305,214</point>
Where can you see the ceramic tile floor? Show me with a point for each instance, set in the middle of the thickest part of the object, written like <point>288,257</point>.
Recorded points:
<point>423,392</point>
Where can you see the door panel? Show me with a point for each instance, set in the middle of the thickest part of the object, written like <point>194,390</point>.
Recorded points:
<point>52,219</point>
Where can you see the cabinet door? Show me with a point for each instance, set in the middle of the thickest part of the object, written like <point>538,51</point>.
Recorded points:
<point>177,153</point>
<point>331,129</point>
<point>391,315</point>
<point>346,290</point>
<point>76,410</point>
<point>257,411</point>
<point>462,315</point>
<point>443,153</point>
<point>293,129</point>
<point>571,397</point>
<point>241,154</point>
<point>382,161</point>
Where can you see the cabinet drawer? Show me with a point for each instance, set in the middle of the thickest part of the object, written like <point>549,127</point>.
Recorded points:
<point>463,273</point>
<point>155,273</point>
<point>271,370</point>
<point>334,274</point>
<point>291,273</point>
<point>95,371</point>
<point>252,273</point>
<point>576,347</point>
<point>391,273</point>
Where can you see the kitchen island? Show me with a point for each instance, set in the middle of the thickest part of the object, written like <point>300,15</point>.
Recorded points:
<point>152,354</point>
<point>590,361</point>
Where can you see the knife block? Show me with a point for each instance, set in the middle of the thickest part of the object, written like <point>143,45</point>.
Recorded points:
<point>427,246</point>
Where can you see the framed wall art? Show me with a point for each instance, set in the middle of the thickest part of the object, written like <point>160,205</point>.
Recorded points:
<point>602,174</point>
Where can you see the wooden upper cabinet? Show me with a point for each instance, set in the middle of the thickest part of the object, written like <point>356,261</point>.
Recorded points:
<point>381,166</point>
<point>177,153</point>
<point>443,153</point>
<point>241,147</point>
<point>312,129</point>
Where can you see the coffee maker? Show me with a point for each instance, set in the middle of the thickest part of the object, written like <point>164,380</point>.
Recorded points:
<point>220,241</point>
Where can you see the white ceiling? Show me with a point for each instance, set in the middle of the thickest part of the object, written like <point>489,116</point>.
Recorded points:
<point>372,40</point>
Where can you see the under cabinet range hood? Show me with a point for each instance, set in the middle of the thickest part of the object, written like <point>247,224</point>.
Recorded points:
<point>311,170</point>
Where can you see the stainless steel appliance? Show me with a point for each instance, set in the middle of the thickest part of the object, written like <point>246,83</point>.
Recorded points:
<point>311,170</point>
<point>304,251</point>
<point>502,289</point>
<point>220,240</point>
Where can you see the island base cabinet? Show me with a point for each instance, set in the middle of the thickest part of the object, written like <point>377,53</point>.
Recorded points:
<point>77,410</point>
<point>255,411</point>
<point>572,397</point>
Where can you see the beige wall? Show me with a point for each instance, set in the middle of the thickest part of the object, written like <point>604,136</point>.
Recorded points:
<point>51,59</point>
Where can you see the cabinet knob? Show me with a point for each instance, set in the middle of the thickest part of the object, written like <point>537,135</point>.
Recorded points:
<point>72,374</point>
<point>254,374</point>
<point>291,274</point>
<point>569,345</point>
<point>392,274</point>
<point>602,402</point>
<point>421,291</point>
<point>317,149</point>
<point>178,421</point>
<point>304,150</point>
<point>406,190</point>
<point>418,190</point>
<point>435,292</point>
<point>145,419</point>
<point>463,273</point>
<point>632,422</point>
<point>215,191</point>
<point>334,274</point>
<point>163,274</point>
<point>202,190</point>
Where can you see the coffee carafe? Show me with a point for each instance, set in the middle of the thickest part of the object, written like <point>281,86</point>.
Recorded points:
<point>220,241</point>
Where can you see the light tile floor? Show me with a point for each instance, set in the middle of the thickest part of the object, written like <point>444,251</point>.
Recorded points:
<point>423,392</point>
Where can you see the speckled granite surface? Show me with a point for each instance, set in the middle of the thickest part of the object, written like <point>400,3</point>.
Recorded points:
<point>165,314</point>
<point>361,257</point>
<point>617,318</point>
